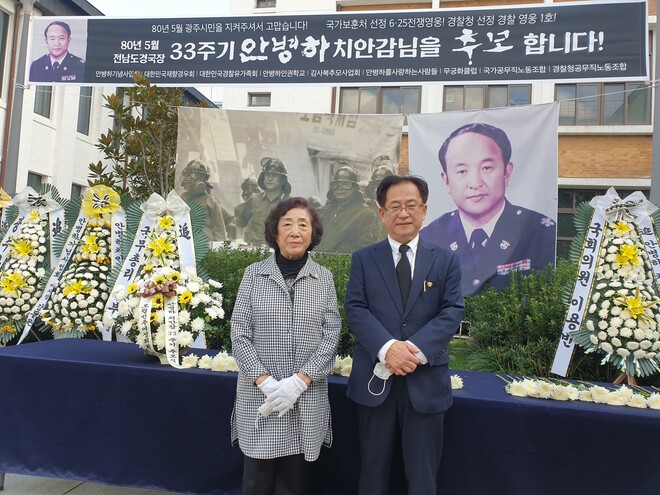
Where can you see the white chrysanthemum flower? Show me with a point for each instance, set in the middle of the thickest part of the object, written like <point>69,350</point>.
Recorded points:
<point>456,381</point>
<point>632,345</point>
<point>184,317</point>
<point>530,387</point>
<point>612,331</point>
<point>516,389</point>
<point>189,361</point>
<point>585,396</point>
<point>639,334</point>
<point>605,346</point>
<point>616,310</point>
<point>590,325</point>
<point>654,401</point>
<point>184,338</point>
<point>205,362</point>
<point>615,342</point>
<point>602,324</point>
<point>197,325</point>
<point>126,327</point>
<point>623,352</point>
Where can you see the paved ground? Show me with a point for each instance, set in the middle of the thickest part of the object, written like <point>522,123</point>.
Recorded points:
<point>16,484</point>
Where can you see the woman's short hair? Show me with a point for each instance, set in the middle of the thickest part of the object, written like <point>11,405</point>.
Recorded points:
<point>280,210</point>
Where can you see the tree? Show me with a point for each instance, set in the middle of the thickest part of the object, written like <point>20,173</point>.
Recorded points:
<point>142,142</point>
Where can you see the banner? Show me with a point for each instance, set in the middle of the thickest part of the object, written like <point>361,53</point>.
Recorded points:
<point>555,42</point>
<point>492,178</point>
<point>239,165</point>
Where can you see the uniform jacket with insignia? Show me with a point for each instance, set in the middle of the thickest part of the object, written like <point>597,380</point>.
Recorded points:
<point>72,69</point>
<point>521,241</point>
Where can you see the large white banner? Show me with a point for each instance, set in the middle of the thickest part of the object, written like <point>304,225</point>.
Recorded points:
<point>227,159</point>
<point>494,201</point>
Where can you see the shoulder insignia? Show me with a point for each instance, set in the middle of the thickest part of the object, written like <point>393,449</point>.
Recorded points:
<point>505,244</point>
<point>547,222</point>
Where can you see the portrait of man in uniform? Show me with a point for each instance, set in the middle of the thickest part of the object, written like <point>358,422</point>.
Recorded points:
<point>58,65</point>
<point>491,236</point>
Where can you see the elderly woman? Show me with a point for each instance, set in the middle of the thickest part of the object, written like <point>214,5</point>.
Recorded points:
<point>284,332</point>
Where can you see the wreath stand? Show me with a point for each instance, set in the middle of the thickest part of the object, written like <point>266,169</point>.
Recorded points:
<point>630,379</point>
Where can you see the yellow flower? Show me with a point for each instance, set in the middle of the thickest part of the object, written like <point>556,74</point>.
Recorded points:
<point>148,268</point>
<point>90,245</point>
<point>132,288</point>
<point>152,317</point>
<point>99,200</point>
<point>76,288</point>
<point>165,222</point>
<point>636,305</point>
<point>621,227</point>
<point>8,329</point>
<point>160,246</point>
<point>175,276</point>
<point>5,199</point>
<point>11,283</point>
<point>160,279</point>
<point>158,301</point>
<point>34,215</point>
<point>185,297</point>
<point>22,248</point>
<point>627,254</point>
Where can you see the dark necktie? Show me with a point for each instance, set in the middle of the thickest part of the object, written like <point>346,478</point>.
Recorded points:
<point>403,273</point>
<point>56,65</point>
<point>477,240</point>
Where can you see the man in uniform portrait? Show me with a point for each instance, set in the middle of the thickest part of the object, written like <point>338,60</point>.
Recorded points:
<point>491,236</point>
<point>348,223</point>
<point>273,181</point>
<point>58,65</point>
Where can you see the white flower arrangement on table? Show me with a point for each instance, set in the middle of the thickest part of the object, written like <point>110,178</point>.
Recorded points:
<point>27,256</point>
<point>562,390</point>
<point>75,306</point>
<point>622,316</point>
<point>161,301</point>
<point>199,306</point>
<point>20,273</point>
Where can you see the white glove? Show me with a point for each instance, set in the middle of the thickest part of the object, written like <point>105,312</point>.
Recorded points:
<point>287,394</point>
<point>268,386</point>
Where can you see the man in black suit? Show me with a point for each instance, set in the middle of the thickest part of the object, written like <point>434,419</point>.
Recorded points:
<point>404,304</point>
<point>491,236</point>
<point>58,65</point>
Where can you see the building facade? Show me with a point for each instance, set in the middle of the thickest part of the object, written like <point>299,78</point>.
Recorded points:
<point>605,129</point>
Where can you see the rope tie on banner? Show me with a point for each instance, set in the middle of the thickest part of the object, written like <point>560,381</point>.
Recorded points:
<point>608,208</point>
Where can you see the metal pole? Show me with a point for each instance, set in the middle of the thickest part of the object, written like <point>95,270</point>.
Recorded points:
<point>11,167</point>
<point>655,167</point>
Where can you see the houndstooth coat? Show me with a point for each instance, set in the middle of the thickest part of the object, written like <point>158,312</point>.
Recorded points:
<point>272,335</point>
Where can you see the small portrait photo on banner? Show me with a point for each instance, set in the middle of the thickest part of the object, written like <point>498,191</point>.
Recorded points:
<point>58,49</point>
<point>492,177</point>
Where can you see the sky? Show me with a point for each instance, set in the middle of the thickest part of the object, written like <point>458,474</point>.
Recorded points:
<point>161,8</point>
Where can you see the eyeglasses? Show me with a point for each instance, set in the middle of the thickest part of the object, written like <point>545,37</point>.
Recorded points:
<point>344,184</point>
<point>411,208</point>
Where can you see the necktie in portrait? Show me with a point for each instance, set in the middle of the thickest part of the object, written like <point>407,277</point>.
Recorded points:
<point>478,240</point>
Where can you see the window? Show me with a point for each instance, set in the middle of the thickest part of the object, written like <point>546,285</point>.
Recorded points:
<point>569,200</point>
<point>84,109</point>
<point>35,181</point>
<point>405,100</point>
<point>262,4</point>
<point>42,98</point>
<point>604,103</point>
<point>76,191</point>
<point>478,97</point>
<point>258,99</point>
<point>4,26</point>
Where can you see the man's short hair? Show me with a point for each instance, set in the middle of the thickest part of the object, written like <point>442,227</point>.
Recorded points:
<point>58,23</point>
<point>392,180</point>
<point>490,131</point>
